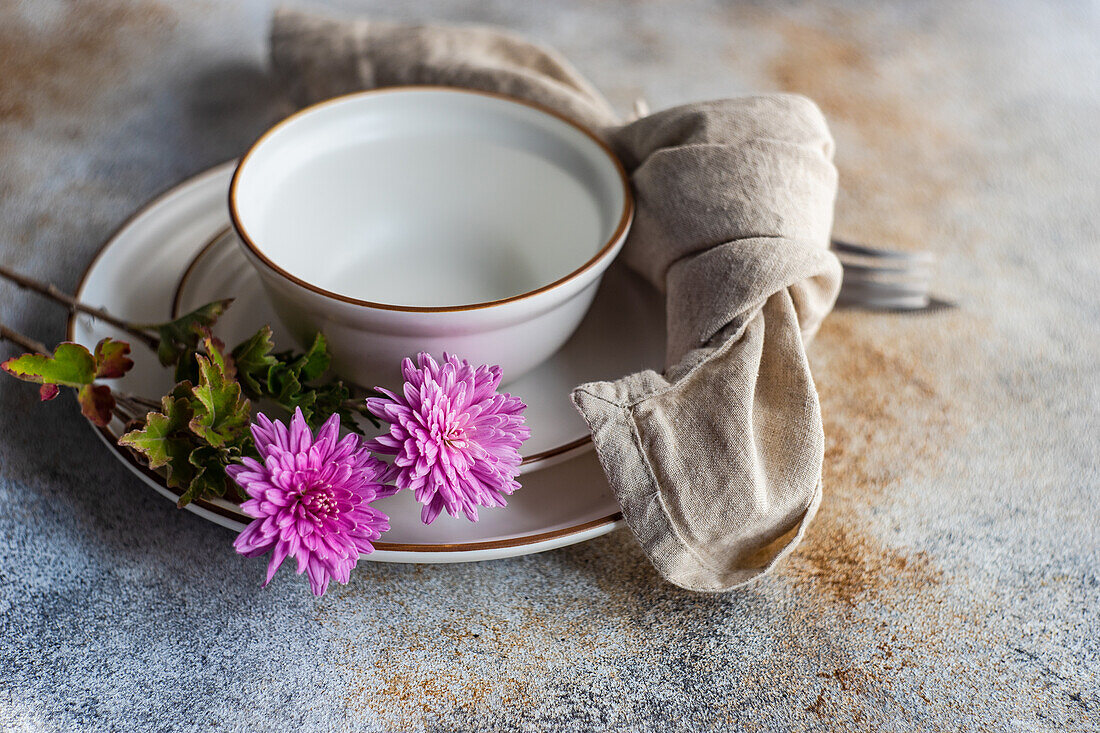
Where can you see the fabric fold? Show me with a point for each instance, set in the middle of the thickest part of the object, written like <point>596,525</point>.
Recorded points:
<point>716,462</point>
<point>317,57</point>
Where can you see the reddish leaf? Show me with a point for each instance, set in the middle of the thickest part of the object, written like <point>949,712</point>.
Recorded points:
<point>71,366</point>
<point>48,391</point>
<point>97,403</point>
<point>111,360</point>
<point>215,349</point>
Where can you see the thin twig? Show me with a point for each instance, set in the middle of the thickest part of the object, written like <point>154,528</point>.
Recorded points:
<point>58,296</point>
<point>359,407</point>
<point>122,414</point>
<point>7,334</point>
<point>124,407</point>
<point>135,400</point>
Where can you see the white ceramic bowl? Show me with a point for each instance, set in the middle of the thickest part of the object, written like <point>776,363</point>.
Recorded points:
<point>430,219</point>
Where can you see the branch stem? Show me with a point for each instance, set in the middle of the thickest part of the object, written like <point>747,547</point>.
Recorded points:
<point>58,296</point>
<point>26,342</point>
<point>135,400</point>
<point>121,413</point>
<point>359,407</point>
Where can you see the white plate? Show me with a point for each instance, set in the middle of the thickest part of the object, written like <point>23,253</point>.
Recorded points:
<point>137,273</point>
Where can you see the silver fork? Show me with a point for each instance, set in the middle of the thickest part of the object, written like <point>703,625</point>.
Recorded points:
<point>883,279</point>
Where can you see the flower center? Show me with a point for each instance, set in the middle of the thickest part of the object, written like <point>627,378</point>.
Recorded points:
<point>455,437</point>
<point>316,497</point>
<point>321,503</point>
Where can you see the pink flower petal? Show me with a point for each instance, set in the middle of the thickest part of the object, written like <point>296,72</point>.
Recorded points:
<point>297,493</point>
<point>455,440</point>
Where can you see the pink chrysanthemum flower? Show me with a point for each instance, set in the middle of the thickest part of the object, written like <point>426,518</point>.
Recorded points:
<point>310,499</point>
<point>454,438</point>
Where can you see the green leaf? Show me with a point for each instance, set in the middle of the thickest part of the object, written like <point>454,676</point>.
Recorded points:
<point>330,399</point>
<point>208,480</point>
<point>187,460</point>
<point>221,414</point>
<point>97,403</point>
<point>165,441</point>
<point>284,387</point>
<point>180,338</point>
<point>286,379</point>
<point>71,365</point>
<point>215,351</point>
<point>111,359</point>
<point>254,361</point>
<point>203,425</point>
<point>316,361</point>
<point>182,391</point>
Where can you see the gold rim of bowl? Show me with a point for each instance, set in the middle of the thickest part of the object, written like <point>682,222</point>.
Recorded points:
<point>624,218</point>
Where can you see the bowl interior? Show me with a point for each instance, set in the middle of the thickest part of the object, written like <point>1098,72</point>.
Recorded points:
<point>428,198</point>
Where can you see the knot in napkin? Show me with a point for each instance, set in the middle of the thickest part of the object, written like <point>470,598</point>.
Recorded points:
<point>716,461</point>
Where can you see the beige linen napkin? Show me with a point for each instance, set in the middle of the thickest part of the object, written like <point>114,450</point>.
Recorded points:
<point>717,461</point>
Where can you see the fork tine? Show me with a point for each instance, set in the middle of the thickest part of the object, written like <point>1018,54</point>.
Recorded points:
<point>882,279</point>
<point>907,303</point>
<point>859,269</point>
<point>872,287</point>
<point>883,296</point>
<point>861,250</point>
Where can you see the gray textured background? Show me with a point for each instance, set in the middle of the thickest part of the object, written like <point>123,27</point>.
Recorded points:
<point>951,578</point>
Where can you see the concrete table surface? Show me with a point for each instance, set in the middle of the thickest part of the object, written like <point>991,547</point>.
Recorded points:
<point>950,580</point>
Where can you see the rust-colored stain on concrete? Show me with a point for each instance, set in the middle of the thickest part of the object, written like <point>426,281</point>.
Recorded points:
<point>462,659</point>
<point>890,398</point>
<point>898,161</point>
<point>893,180</point>
<point>885,415</point>
<point>61,64</point>
<point>870,398</point>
